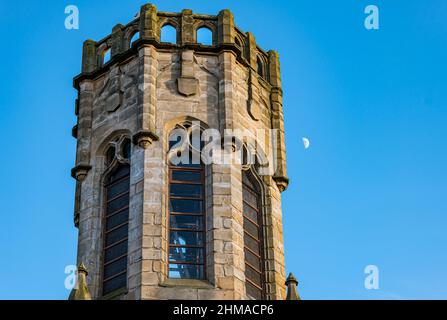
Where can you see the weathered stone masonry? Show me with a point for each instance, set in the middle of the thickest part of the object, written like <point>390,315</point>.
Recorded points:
<point>143,92</point>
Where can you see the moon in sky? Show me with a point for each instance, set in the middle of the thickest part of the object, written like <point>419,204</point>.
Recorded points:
<point>306,143</point>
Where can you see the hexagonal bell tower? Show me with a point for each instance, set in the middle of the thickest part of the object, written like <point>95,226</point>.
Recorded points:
<point>151,227</point>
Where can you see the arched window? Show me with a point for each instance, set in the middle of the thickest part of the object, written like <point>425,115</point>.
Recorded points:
<point>205,36</point>
<point>116,216</point>
<point>168,34</point>
<point>237,42</point>
<point>186,209</point>
<point>106,55</point>
<point>260,67</point>
<point>134,38</point>
<point>253,236</point>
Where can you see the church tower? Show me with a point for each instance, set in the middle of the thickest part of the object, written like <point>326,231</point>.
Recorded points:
<point>157,219</point>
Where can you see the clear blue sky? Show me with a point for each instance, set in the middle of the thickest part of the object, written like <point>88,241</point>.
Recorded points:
<point>371,189</point>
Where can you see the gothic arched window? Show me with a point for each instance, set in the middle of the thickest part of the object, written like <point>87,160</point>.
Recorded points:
<point>116,216</point>
<point>260,67</point>
<point>253,236</point>
<point>186,208</point>
<point>204,36</point>
<point>168,34</point>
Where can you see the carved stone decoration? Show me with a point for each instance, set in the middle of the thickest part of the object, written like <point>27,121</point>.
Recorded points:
<point>114,101</point>
<point>80,171</point>
<point>187,84</point>
<point>111,95</point>
<point>292,291</point>
<point>81,290</point>
<point>144,138</point>
<point>282,183</point>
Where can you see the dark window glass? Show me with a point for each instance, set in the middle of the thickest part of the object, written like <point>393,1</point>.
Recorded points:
<point>176,140</point>
<point>252,237</point>
<point>118,203</point>
<point>116,229</point>
<point>117,188</point>
<point>115,283</point>
<point>186,238</point>
<point>186,271</point>
<point>194,255</point>
<point>251,198</point>
<point>126,147</point>
<point>115,267</point>
<point>186,190</point>
<point>110,155</point>
<point>252,244</point>
<point>116,235</point>
<point>186,222</point>
<point>253,275</point>
<point>191,163</point>
<point>115,251</point>
<point>121,172</point>
<point>253,291</point>
<point>251,228</point>
<point>260,68</point>
<point>190,176</point>
<point>238,43</point>
<point>117,219</point>
<point>252,259</point>
<point>186,206</point>
<point>251,213</point>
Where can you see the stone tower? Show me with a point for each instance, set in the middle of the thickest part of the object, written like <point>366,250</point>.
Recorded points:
<point>150,228</point>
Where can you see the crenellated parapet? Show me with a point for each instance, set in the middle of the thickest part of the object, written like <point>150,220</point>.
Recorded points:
<point>148,25</point>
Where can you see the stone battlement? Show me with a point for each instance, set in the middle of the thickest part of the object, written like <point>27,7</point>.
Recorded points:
<point>148,25</point>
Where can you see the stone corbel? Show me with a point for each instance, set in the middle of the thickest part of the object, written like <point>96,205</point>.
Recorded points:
<point>144,138</point>
<point>281,182</point>
<point>80,171</point>
<point>115,98</point>
<point>187,83</point>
